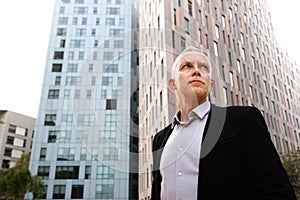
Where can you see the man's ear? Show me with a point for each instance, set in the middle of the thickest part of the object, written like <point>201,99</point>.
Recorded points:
<point>212,84</point>
<point>171,84</point>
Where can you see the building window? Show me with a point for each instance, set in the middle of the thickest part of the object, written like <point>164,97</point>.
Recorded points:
<point>77,44</point>
<point>174,16</point>
<point>118,44</point>
<point>83,153</point>
<point>107,80</point>
<point>67,172</point>
<point>250,91</point>
<point>67,154</point>
<point>217,31</point>
<point>93,32</point>
<point>63,20</point>
<point>105,191</point>
<point>43,154</point>
<point>81,55</point>
<point>62,43</point>
<point>57,80</point>
<point>87,173</point>
<point>110,21</point>
<point>182,43</point>
<point>225,96</point>
<point>115,31</point>
<point>84,21</point>
<point>187,25</point>
<point>8,152</point>
<point>58,55</point>
<point>110,120</point>
<point>103,94</point>
<point>56,67</point>
<point>10,140</point>
<point>53,94</point>
<point>216,48</point>
<point>59,192</point>
<point>190,8</point>
<point>59,136</point>
<point>105,172</point>
<point>111,104</point>
<point>122,21</point>
<point>231,79</point>
<point>108,134</point>
<point>86,119</point>
<point>111,68</point>
<point>12,128</point>
<point>67,93</point>
<point>112,11</point>
<point>108,55</point>
<point>80,32</point>
<point>77,192</point>
<point>161,100</point>
<point>66,120</point>
<point>43,172</point>
<point>74,21</point>
<point>73,80</point>
<point>72,67</point>
<point>50,120</point>
<point>5,163</point>
<point>61,32</point>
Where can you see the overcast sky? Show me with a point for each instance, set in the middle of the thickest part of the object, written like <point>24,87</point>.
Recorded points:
<point>24,36</point>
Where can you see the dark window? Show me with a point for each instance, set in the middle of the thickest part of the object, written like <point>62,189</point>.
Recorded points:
<point>5,163</point>
<point>50,119</point>
<point>10,140</point>
<point>56,67</point>
<point>111,104</point>
<point>67,172</point>
<point>58,55</point>
<point>12,128</point>
<point>43,154</point>
<point>77,192</point>
<point>43,172</point>
<point>53,94</point>
<point>7,152</point>
<point>59,192</point>
<point>190,6</point>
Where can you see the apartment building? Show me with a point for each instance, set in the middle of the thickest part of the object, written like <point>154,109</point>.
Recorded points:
<point>87,123</point>
<point>16,133</point>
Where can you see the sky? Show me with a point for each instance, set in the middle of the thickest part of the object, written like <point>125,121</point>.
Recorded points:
<point>24,37</point>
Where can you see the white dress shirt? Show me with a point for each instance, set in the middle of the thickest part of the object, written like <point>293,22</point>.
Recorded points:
<point>180,158</point>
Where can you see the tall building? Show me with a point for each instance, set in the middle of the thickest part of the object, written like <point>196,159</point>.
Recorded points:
<point>85,141</point>
<point>249,68</point>
<point>16,133</point>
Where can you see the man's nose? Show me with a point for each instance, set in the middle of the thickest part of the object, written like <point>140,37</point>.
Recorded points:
<point>196,71</point>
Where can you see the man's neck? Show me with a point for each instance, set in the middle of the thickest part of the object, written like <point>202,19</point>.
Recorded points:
<point>187,107</point>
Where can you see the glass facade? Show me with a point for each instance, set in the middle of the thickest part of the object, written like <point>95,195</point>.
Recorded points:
<point>86,122</point>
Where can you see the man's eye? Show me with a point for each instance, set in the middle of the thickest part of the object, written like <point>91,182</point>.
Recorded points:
<point>185,66</point>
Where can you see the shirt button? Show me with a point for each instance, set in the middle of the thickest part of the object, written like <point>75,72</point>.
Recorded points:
<point>180,173</point>
<point>181,148</point>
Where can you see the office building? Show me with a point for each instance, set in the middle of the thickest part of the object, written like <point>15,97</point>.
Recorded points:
<point>87,123</point>
<point>249,67</point>
<point>16,133</point>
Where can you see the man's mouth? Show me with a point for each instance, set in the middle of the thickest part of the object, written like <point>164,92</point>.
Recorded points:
<point>196,81</point>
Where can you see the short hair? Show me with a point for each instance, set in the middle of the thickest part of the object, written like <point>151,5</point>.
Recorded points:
<point>186,50</point>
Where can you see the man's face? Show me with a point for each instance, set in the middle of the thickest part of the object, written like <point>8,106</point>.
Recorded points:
<point>192,79</point>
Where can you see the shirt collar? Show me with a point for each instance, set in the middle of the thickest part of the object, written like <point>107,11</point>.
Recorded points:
<point>200,111</point>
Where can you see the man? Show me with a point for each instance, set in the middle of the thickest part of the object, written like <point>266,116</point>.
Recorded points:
<point>209,152</point>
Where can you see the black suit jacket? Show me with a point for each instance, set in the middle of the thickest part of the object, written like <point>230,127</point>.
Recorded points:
<point>238,159</point>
